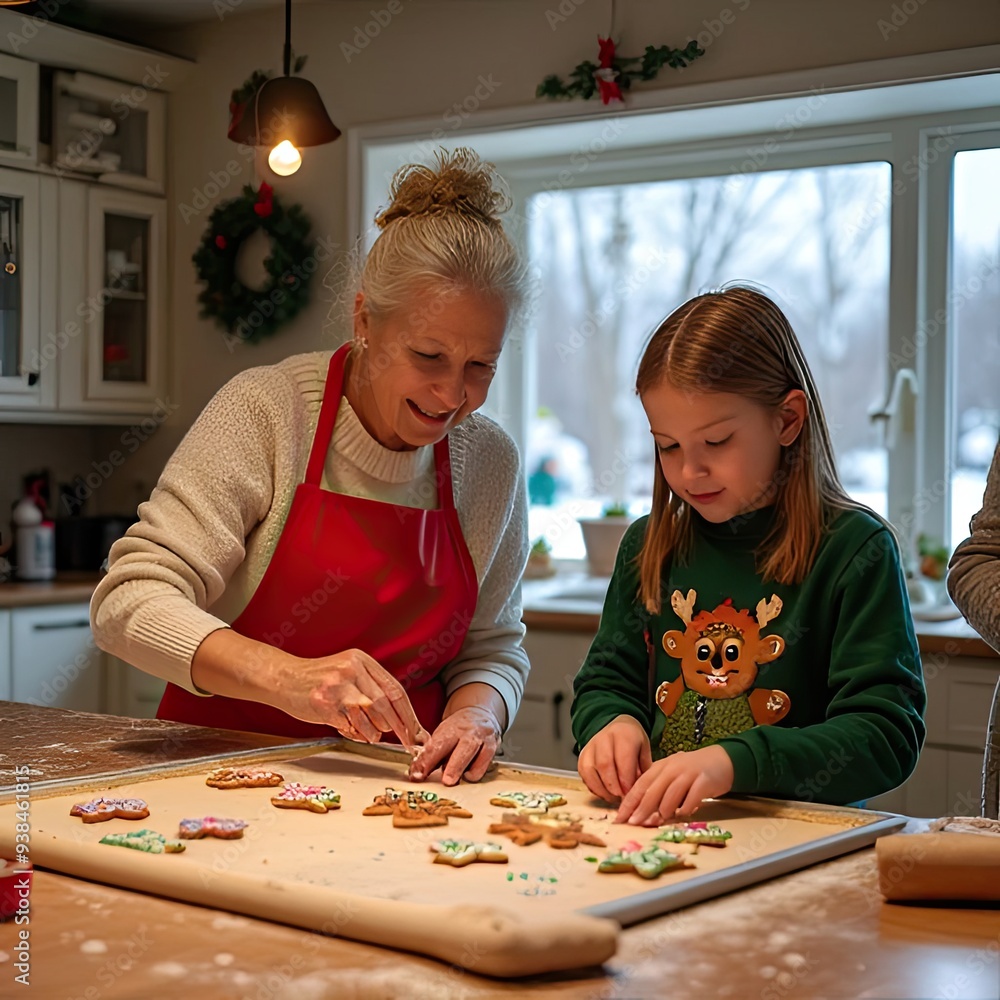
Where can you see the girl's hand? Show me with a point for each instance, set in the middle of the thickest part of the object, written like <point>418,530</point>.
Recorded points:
<point>467,738</point>
<point>350,691</point>
<point>677,785</point>
<point>613,759</point>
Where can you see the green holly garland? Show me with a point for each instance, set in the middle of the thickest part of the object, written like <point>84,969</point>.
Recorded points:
<point>613,74</point>
<point>251,314</point>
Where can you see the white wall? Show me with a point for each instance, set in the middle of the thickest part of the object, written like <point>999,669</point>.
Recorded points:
<point>432,54</point>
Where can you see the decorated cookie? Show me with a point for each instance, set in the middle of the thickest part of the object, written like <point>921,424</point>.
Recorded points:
<point>523,831</point>
<point>710,834</point>
<point>316,798</point>
<point>211,826</point>
<point>144,840</point>
<point>102,809</point>
<point>243,777</point>
<point>459,853</point>
<point>650,862</point>
<point>528,803</point>
<point>415,808</point>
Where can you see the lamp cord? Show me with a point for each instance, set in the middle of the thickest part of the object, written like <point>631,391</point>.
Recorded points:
<point>288,36</point>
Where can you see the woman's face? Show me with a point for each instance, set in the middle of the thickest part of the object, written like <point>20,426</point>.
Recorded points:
<point>719,452</point>
<point>427,365</point>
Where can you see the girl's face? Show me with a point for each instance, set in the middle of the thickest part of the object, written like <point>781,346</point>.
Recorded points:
<point>719,452</point>
<point>427,366</point>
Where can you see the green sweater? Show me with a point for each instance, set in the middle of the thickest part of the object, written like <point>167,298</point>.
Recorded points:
<point>850,664</point>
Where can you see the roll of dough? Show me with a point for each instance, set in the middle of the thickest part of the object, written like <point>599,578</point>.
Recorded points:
<point>939,866</point>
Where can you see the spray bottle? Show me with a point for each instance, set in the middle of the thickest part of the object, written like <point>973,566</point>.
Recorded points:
<point>36,542</point>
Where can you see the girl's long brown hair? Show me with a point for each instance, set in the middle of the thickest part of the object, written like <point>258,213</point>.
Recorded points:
<point>738,341</point>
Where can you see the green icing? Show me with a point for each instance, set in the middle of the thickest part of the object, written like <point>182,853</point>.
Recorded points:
<point>148,841</point>
<point>649,863</point>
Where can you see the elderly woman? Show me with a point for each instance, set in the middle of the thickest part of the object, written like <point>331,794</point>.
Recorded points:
<point>338,540</point>
<point>974,570</point>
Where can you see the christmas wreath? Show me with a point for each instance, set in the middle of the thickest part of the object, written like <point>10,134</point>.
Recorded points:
<point>613,74</point>
<point>254,313</point>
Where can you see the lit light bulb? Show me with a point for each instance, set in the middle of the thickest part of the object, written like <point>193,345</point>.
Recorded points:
<point>284,159</point>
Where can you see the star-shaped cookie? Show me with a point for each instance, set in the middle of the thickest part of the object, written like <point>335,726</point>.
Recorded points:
<point>415,808</point>
<point>523,830</point>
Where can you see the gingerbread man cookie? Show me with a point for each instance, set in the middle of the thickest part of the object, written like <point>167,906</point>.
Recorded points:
<point>243,777</point>
<point>710,834</point>
<point>459,853</point>
<point>415,808</point>
<point>528,803</point>
<point>523,831</point>
<point>211,826</point>
<point>101,809</point>
<point>316,798</point>
<point>649,862</point>
<point>148,841</point>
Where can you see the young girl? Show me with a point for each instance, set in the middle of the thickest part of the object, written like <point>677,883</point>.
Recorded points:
<point>756,635</point>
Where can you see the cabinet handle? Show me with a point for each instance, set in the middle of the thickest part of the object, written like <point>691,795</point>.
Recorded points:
<point>32,378</point>
<point>51,626</point>
<point>557,699</point>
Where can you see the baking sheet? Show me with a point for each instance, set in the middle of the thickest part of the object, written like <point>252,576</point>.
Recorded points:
<point>368,857</point>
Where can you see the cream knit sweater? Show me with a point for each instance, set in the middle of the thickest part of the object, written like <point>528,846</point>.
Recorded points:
<point>206,535</point>
<point>974,570</point>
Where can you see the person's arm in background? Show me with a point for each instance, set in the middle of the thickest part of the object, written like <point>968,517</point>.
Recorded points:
<point>974,570</point>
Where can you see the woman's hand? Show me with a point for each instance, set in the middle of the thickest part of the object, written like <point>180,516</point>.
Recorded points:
<point>611,763</point>
<point>676,785</point>
<point>467,739</point>
<point>352,692</point>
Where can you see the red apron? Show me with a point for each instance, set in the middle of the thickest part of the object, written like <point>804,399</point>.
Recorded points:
<point>351,573</point>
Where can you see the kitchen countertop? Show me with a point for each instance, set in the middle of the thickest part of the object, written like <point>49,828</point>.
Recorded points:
<point>66,588</point>
<point>823,931</point>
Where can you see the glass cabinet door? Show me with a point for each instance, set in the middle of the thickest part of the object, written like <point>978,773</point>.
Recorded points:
<point>20,363</point>
<point>125,266</point>
<point>18,110</point>
<point>11,277</point>
<point>125,334</point>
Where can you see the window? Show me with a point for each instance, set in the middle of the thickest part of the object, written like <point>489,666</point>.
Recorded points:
<point>611,262</point>
<point>974,296</point>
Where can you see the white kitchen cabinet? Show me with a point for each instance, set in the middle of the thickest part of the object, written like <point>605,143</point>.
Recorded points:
<point>132,692</point>
<point>27,225</point>
<point>541,733</point>
<point>18,110</point>
<point>948,777</point>
<point>54,661</point>
<point>5,656</point>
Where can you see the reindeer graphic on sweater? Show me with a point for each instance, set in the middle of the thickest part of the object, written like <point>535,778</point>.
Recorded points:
<point>720,651</point>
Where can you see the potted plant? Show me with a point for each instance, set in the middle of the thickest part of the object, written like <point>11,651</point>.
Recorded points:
<point>539,560</point>
<point>602,536</point>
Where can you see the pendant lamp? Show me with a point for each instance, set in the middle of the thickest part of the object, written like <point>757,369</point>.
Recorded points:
<point>286,114</point>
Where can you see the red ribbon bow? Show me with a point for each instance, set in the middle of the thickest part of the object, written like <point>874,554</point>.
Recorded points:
<point>265,200</point>
<point>605,76</point>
